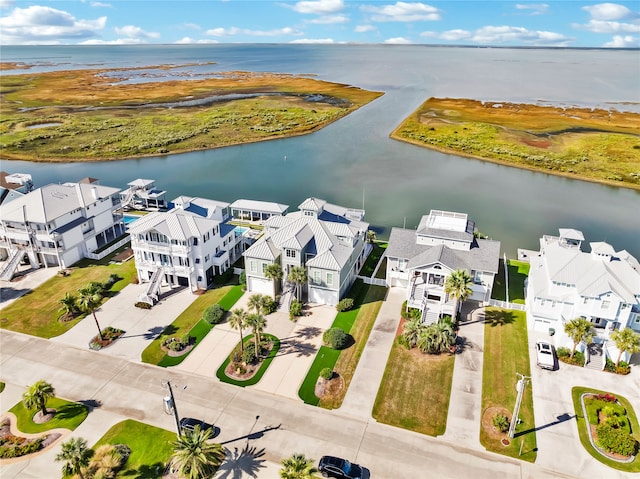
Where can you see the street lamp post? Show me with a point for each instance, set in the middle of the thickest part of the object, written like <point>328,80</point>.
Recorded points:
<point>520,386</point>
<point>170,406</point>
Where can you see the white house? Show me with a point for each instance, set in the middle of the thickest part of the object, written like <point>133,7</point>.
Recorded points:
<point>421,260</point>
<point>57,225</point>
<point>565,282</point>
<point>186,246</point>
<point>328,240</point>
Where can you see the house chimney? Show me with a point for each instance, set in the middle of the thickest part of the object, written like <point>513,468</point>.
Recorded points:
<point>94,192</point>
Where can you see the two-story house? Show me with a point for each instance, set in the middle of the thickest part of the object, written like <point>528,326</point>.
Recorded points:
<point>564,283</point>
<point>57,225</point>
<point>421,260</point>
<point>326,239</point>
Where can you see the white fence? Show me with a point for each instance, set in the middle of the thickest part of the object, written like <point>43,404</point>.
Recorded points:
<point>505,305</point>
<point>374,281</point>
<point>109,250</point>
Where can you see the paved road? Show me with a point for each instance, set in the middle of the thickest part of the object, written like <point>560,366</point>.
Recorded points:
<point>257,427</point>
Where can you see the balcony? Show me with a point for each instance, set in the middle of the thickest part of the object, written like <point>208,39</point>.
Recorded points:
<point>164,248</point>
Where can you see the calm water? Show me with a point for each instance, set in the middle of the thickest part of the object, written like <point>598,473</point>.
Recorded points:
<point>354,158</point>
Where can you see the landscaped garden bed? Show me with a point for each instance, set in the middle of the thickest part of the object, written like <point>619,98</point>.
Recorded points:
<point>109,335</point>
<point>246,368</point>
<point>610,432</point>
<point>17,446</point>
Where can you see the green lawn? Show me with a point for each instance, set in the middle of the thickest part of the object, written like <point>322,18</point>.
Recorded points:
<point>190,322</point>
<point>518,273</point>
<point>37,312</point>
<point>581,424</point>
<point>415,390</point>
<point>248,343</point>
<point>69,415</point>
<point>370,264</point>
<point>506,353</point>
<point>150,448</point>
<point>328,357</point>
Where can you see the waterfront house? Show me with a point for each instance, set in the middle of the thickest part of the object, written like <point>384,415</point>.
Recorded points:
<point>253,211</point>
<point>185,246</point>
<point>328,240</point>
<point>565,282</point>
<point>58,225</point>
<point>421,260</point>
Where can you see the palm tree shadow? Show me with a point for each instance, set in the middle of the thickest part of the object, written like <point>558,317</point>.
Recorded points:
<point>498,317</point>
<point>239,463</point>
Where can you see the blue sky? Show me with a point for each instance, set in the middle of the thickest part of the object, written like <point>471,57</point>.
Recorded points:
<point>569,23</point>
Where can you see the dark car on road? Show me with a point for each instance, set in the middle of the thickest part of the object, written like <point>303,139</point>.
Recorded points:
<point>331,466</point>
<point>189,423</point>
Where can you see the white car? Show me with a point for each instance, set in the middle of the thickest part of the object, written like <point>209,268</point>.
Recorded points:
<point>545,356</point>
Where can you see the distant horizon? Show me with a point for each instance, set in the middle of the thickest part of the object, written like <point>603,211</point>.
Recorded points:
<point>462,23</point>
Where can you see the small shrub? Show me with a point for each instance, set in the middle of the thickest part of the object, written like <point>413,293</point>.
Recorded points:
<point>269,305</point>
<point>335,338</point>
<point>213,314</point>
<point>501,422</point>
<point>295,309</point>
<point>113,279</point>
<point>14,446</point>
<point>606,397</point>
<point>326,373</point>
<point>249,355</point>
<point>242,280</point>
<point>344,305</point>
<point>402,341</point>
<point>615,440</point>
<point>142,305</point>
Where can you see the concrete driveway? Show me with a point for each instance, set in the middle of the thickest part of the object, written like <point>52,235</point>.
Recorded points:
<point>559,446</point>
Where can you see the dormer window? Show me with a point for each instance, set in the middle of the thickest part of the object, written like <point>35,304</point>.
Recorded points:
<point>291,253</point>
<point>309,213</point>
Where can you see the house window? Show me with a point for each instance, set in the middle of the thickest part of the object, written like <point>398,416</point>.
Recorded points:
<point>308,213</point>
<point>316,277</point>
<point>253,267</point>
<point>585,301</point>
<point>206,259</point>
<point>606,304</point>
<point>330,279</point>
<point>197,260</point>
<point>291,253</point>
<point>478,277</point>
<point>195,241</point>
<point>264,267</point>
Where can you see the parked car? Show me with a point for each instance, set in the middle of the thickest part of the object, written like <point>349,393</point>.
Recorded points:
<point>545,357</point>
<point>331,466</point>
<point>189,424</point>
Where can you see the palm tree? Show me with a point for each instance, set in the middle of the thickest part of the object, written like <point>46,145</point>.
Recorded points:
<point>195,457</point>
<point>579,329</point>
<point>106,459</point>
<point>255,301</point>
<point>298,275</point>
<point>76,456</point>
<point>257,323</point>
<point>426,341</point>
<point>36,396</point>
<point>238,320</point>
<point>274,272</point>
<point>371,236</point>
<point>411,331</point>
<point>626,340</point>
<point>444,335</point>
<point>69,304</point>
<point>457,285</point>
<point>297,466</point>
<point>90,299</point>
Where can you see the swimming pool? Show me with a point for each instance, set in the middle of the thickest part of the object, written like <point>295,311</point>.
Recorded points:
<point>128,219</point>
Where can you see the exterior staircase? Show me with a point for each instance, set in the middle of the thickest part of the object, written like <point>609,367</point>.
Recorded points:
<point>11,264</point>
<point>286,297</point>
<point>128,199</point>
<point>596,357</point>
<point>430,316</point>
<point>151,295</point>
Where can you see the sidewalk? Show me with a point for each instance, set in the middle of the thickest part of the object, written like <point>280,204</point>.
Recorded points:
<point>363,389</point>
<point>465,402</point>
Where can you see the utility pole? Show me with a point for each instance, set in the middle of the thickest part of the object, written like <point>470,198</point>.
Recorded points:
<point>520,386</point>
<point>170,406</point>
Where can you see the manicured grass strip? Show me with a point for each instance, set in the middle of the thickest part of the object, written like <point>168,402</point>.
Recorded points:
<point>327,357</point>
<point>348,358</point>
<point>2,386</point>
<point>506,352</point>
<point>199,331</point>
<point>372,260</point>
<point>230,299</point>
<point>518,274</point>
<point>150,448</point>
<point>37,312</point>
<point>415,390</point>
<point>183,324</point>
<point>581,424</point>
<point>69,415</point>
<point>263,367</point>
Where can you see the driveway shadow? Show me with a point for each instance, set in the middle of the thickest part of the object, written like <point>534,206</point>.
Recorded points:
<point>240,463</point>
<point>293,346</point>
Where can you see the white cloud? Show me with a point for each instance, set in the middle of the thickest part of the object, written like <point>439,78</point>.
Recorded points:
<point>330,19</point>
<point>6,3</point>
<point>319,7</point>
<point>232,31</point>
<point>626,41</point>
<point>189,41</point>
<point>608,26</point>
<point>133,32</point>
<point>101,5</point>
<point>518,35</point>
<point>403,12</point>
<point>609,11</point>
<point>455,35</point>
<point>364,28</point>
<point>39,25</point>
<point>398,41</point>
<point>314,40</point>
<point>533,8</point>
<point>119,41</point>
<point>191,26</point>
